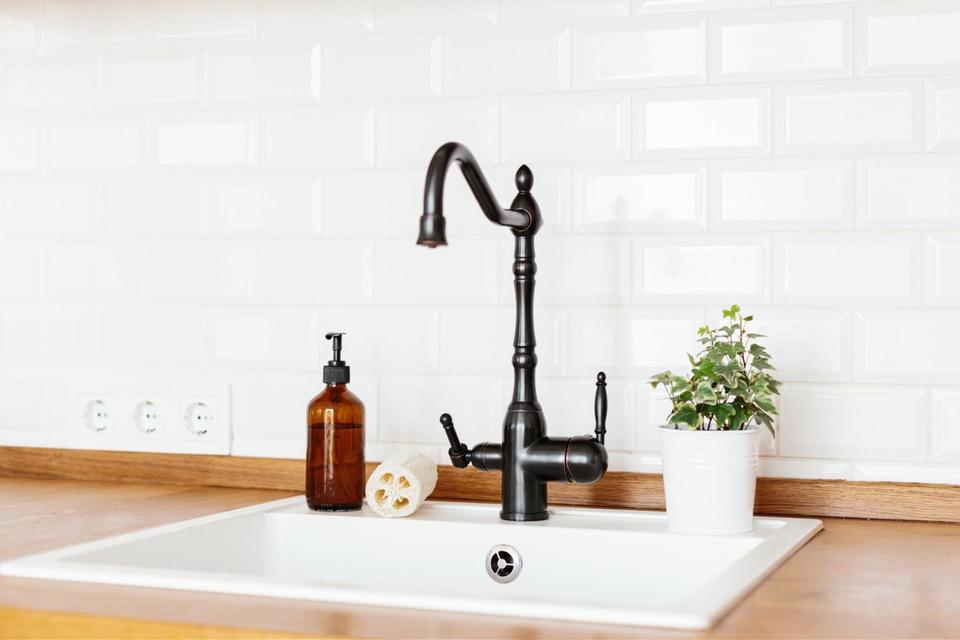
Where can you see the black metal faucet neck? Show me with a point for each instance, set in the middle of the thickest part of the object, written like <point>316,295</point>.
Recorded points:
<point>433,231</point>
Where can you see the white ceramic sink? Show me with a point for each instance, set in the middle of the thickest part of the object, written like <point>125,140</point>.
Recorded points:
<point>608,566</point>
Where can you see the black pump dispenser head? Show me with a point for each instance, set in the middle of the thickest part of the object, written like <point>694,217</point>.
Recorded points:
<point>336,371</point>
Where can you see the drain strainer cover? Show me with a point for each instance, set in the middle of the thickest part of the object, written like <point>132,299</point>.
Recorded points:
<point>503,563</point>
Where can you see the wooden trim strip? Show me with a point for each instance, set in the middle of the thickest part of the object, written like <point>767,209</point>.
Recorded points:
<point>51,625</point>
<point>775,496</point>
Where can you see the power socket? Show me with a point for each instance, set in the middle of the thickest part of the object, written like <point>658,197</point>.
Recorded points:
<point>155,415</point>
<point>96,413</point>
<point>148,417</point>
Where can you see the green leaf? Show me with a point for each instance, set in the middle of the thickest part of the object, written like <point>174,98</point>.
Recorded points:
<point>767,405</point>
<point>724,412</point>
<point>704,394</point>
<point>685,414</point>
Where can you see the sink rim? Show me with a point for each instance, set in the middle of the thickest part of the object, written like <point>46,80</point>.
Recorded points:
<point>779,539</point>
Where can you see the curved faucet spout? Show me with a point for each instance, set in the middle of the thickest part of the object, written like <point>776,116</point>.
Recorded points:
<point>433,232</point>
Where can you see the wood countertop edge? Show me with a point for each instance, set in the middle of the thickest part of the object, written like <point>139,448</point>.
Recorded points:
<point>775,496</point>
<point>857,578</point>
<point>30,623</point>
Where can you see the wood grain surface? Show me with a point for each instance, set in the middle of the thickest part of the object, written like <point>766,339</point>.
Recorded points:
<point>856,579</point>
<point>775,496</point>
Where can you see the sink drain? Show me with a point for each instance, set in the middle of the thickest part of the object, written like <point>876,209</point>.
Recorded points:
<point>503,563</point>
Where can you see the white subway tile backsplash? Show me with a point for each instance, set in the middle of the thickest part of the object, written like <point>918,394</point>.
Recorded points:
<point>664,6</point>
<point>227,141</point>
<point>167,79</point>
<point>701,268</point>
<point>477,62</point>
<point>372,204</point>
<point>263,206</point>
<point>632,342</point>
<point>640,197</point>
<point>22,401</point>
<point>942,130</point>
<point>289,19</point>
<point>845,117</point>
<point>702,122</point>
<point>94,23</point>
<point>19,273</point>
<point>782,194</point>
<point>858,423</point>
<point>467,333</point>
<point>46,336</point>
<point>263,74</point>
<point>906,346</point>
<point>93,272</point>
<point>781,45</point>
<point>583,127</point>
<point>944,430</point>
<point>50,208</point>
<point>206,20</point>
<point>20,25</point>
<point>318,138</point>
<point>264,340</point>
<point>150,208</point>
<point>19,148</point>
<point>197,272</point>
<point>647,52</point>
<point>943,269</point>
<point>411,345</point>
<point>144,338</point>
<point>847,268</point>
<point>395,65</point>
<point>210,186</point>
<point>909,192</point>
<point>319,272</point>
<point>476,404</point>
<point>807,345</point>
<point>92,146</point>
<point>405,273</point>
<point>61,85</point>
<point>902,38</point>
<point>578,270</point>
<point>408,15</point>
<point>536,11</point>
<point>408,133</point>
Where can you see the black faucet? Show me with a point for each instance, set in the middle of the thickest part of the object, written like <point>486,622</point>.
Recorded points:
<point>527,457</point>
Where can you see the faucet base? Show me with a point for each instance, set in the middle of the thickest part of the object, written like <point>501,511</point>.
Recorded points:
<point>524,517</point>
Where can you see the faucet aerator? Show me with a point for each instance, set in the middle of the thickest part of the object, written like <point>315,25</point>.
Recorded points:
<point>433,231</point>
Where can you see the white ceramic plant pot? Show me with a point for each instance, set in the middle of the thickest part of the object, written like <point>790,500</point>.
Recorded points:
<point>709,480</point>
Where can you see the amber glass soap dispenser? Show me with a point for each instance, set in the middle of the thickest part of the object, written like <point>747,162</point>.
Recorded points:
<point>335,419</point>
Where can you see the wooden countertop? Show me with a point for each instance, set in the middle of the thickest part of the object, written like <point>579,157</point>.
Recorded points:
<point>857,578</point>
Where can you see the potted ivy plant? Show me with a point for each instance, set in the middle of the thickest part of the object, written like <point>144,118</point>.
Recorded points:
<point>709,444</point>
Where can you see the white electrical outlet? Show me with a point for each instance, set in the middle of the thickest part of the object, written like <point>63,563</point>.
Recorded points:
<point>96,415</point>
<point>164,414</point>
<point>148,418</point>
<point>199,418</point>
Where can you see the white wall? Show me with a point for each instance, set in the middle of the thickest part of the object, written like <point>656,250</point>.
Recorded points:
<point>192,192</point>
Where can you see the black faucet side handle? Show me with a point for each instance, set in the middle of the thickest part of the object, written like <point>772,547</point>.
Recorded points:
<point>459,454</point>
<point>600,407</point>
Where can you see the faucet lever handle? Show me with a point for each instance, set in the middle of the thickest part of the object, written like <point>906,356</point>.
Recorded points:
<point>600,407</point>
<point>459,454</point>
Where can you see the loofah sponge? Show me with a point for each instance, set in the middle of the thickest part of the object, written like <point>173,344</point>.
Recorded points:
<point>400,484</point>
